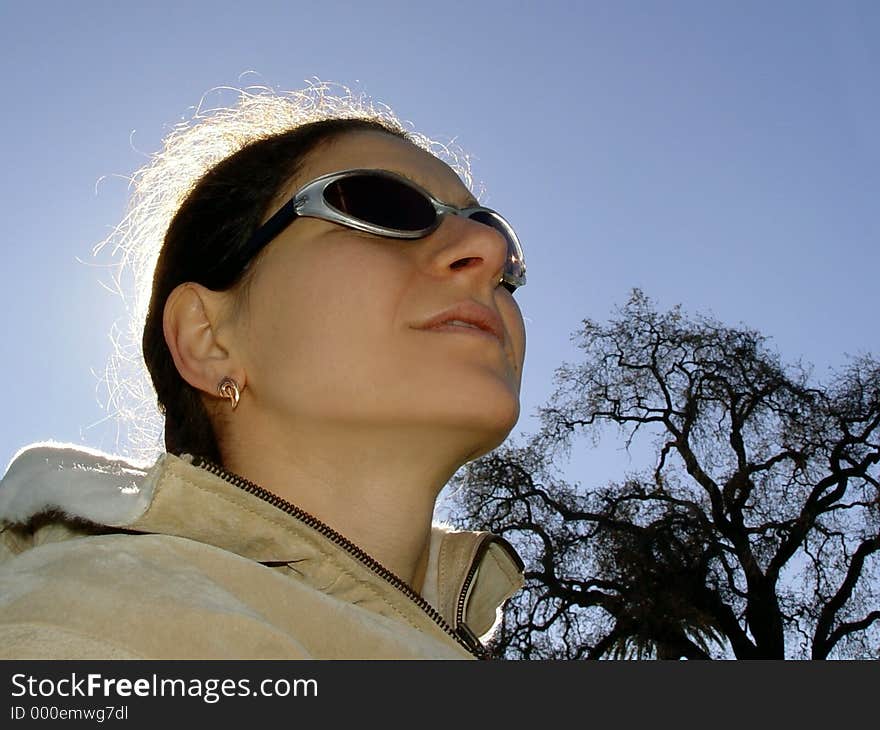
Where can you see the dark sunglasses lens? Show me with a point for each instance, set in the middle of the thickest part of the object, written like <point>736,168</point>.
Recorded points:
<point>515,270</point>
<point>381,201</point>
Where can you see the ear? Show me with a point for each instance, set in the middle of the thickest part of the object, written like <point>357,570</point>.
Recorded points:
<point>191,324</point>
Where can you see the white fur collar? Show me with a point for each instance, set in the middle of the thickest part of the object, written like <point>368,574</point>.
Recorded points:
<point>80,482</point>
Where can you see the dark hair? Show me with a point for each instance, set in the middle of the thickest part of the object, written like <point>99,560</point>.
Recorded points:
<point>202,245</point>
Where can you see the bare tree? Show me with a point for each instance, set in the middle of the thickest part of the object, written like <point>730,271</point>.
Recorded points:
<point>756,534</point>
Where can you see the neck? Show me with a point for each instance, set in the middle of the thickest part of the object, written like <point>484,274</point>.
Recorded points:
<point>377,487</point>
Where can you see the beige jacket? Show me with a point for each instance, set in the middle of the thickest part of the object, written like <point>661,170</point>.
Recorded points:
<point>102,558</point>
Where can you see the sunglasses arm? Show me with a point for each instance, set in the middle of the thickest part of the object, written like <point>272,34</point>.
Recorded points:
<point>270,229</point>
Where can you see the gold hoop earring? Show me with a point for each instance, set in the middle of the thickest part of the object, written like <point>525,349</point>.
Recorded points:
<point>228,388</point>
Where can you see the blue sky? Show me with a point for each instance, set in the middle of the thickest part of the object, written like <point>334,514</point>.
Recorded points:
<point>720,155</point>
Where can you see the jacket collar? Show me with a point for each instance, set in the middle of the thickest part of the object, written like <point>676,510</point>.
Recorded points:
<point>172,496</point>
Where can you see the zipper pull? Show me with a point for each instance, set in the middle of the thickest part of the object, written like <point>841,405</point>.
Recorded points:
<point>470,639</point>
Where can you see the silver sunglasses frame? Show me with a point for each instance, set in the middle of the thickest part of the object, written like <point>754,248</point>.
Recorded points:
<point>309,202</point>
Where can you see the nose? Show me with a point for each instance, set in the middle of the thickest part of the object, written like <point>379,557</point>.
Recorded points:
<point>468,249</point>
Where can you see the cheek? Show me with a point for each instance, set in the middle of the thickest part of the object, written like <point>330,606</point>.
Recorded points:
<point>281,300</point>
<point>513,318</point>
<point>321,318</point>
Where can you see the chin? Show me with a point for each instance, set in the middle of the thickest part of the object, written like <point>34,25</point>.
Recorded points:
<point>491,429</point>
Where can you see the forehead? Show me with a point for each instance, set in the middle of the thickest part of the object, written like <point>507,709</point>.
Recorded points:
<point>369,149</point>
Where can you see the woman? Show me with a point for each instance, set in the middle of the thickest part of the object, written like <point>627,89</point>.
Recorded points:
<point>331,335</point>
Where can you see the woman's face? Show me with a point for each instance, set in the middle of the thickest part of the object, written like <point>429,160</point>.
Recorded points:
<point>332,333</point>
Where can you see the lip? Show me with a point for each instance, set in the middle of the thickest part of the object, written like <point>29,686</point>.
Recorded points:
<point>485,319</point>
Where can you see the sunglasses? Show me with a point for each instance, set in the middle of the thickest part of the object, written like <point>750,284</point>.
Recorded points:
<point>385,204</point>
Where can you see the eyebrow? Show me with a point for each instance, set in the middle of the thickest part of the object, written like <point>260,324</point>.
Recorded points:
<point>469,202</point>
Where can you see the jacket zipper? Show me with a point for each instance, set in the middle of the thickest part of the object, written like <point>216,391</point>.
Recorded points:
<point>462,633</point>
<point>465,587</point>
